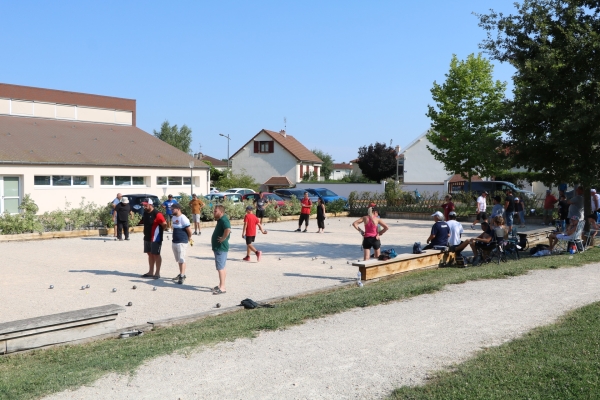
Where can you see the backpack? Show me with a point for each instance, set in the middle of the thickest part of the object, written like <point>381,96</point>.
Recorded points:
<point>417,248</point>
<point>387,254</point>
<point>250,304</point>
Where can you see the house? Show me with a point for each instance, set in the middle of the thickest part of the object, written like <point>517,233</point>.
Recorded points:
<point>340,170</point>
<point>215,162</point>
<point>275,159</point>
<point>60,146</point>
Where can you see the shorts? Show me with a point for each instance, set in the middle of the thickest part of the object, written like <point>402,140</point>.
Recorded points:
<point>179,250</point>
<point>303,218</point>
<point>369,242</point>
<point>481,216</point>
<point>196,217</point>
<point>484,246</point>
<point>548,213</point>
<point>453,248</point>
<point>250,239</point>
<point>508,217</point>
<point>169,217</point>
<point>560,236</point>
<point>152,247</point>
<point>220,259</point>
<point>260,213</point>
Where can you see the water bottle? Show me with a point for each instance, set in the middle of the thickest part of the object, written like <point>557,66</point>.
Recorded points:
<point>358,276</point>
<point>572,249</point>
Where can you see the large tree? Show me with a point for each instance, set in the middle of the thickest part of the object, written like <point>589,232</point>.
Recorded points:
<point>377,162</point>
<point>465,119</point>
<point>554,124</point>
<point>327,166</point>
<point>176,137</point>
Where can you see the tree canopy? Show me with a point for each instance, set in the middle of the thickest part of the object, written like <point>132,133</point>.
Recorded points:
<point>465,119</point>
<point>327,166</point>
<point>176,137</point>
<point>377,162</point>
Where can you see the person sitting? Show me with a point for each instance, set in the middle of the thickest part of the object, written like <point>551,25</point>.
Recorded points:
<point>440,232</point>
<point>456,231</point>
<point>498,225</point>
<point>569,233</point>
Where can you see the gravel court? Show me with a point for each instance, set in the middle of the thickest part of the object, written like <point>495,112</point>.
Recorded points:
<point>29,268</point>
<point>362,353</point>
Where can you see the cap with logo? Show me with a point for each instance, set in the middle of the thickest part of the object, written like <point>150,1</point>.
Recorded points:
<point>438,214</point>
<point>147,201</point>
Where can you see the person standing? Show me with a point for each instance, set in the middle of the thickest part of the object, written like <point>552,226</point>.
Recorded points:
<point>249,233</point>
<point>448,206</point>
<point>114,204</point>
<point>576,204</point>
<point>321,215</point>
<point>154,226</point>
<point>123,209</point>
<point>520,211</point>
<point>261,204</point>
<point>481,207</point>
<point>196,206</point>
<point>220,245</point>
<point>304,213</point>
<point>549,203</point>
<point>182,235</point>
<point>563,212</point>
<point>168,205</point>
<point>595,200</point>
<point>498,208</point>
<point>509,207</point>
<point>371,234</point>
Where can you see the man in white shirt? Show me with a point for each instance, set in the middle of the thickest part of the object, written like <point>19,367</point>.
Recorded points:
<point>456,231</point>
<point>595,199</point>
<point>481,207</point>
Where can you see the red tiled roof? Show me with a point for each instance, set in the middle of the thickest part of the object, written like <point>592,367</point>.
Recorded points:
<point>278,181</point>
<point>288,142</point>
<point>214,161</point>
<point>342,166</point>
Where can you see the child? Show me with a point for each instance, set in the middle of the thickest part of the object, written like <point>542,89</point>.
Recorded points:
<point>251,221</point>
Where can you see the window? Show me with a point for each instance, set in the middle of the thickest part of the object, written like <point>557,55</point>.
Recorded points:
<point>187,180</point>
<point>263,146</point>
<point>80,180</point>
<point>161,180</point>
<point>175,180</point>
<point>137,180</point>
<point>107,180</point>
<point>122,180</point>
<point>41,180</point>
<point>60,180</point>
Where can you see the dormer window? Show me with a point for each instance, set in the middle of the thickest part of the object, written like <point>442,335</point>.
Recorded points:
<point>263,146</point>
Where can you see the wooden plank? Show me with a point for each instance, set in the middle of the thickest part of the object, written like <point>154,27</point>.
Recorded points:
<point>400,266</point>
<point>399,257</point>
<point>45,329</point>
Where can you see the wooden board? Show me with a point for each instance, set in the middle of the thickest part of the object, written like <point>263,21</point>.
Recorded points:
<point>372,269</point>
<point>536,235</point>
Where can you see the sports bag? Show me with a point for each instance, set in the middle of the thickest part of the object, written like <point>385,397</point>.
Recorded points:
<point>417,248</point>
<point>250,304</point>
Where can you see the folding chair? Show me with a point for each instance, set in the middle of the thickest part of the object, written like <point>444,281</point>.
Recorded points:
<point>562,244</point>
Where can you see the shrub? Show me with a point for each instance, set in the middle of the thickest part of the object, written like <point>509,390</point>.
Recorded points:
<point>272,212</point>
<point>24,222</point>
<point>336,206</point>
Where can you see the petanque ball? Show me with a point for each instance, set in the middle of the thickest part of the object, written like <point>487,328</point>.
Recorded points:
<point>87,286</point>
<point>323,261</point>
<point>154,288</point>
<point>134,287</point>
<point>51,286</point>
<point>218,305</point>
<point>83,288</point>
<point>331,267</point>
<point>114,289</point>
<point>129,304</point>
<point>347,262</point>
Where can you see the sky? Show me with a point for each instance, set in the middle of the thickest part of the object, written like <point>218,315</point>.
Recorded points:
<point>344,74</point>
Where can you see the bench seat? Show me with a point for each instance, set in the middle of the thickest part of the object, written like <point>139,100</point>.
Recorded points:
<point>536,235</point>
<point>372,269</point>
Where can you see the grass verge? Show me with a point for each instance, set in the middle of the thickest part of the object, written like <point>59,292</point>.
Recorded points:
<point>41,372</point>
<point>559,361</point>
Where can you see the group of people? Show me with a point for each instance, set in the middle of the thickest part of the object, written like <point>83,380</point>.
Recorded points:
<point>508,209</point>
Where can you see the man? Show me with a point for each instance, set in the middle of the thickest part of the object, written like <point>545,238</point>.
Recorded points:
<point>456,231</point>
<point>154,225</point>
<point>182,235</point>
<point>123,210</point>
<point>249,233</point>
<point>448,206</point>
<point>498,208</point>
<point>595,200</point>
<point>196,206</point>
<point>304,213</point>
<point>261,203</point>
<point>569,233</point>
<point>549,203</point>
<point>116,201</point>
<point>220,245</point>
<point>440,232</point>
<point>168,204</point>
<point>480,211</point>
<point>509,207</point>
<point>576,204</point>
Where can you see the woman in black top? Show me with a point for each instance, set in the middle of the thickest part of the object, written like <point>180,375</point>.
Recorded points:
<point>123,210</point>
<point>321,215</point>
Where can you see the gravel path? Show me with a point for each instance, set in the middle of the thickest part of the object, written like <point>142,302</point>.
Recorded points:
<point>363,353</point>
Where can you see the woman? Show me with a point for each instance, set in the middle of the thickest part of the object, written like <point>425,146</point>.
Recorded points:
<point>321,215</point>
<point>123,210</point>
<point>371,235</point>
<point>567,235</point>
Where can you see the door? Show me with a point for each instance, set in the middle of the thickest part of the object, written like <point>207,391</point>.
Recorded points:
<point>10,194</point>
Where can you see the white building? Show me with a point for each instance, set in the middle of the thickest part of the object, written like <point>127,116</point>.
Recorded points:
<point>275,159</point>
<point>340,170</point>
<point>61,146</point>
<point>421,170</point>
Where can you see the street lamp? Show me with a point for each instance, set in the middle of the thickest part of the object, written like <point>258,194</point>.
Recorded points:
<point>228,140</point>
<point>191,178</point>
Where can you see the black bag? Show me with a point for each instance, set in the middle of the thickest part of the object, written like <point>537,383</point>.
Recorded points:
<point>417,248</point>
<point>250,304</point>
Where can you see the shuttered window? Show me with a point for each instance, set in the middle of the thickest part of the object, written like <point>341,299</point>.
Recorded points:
<point>266,146</point>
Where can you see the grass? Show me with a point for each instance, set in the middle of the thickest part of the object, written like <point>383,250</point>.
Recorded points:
<point>559,361</point>
<point>41,372</point>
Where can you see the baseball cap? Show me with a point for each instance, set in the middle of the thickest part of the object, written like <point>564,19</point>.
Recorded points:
<point>451,213</point>
<point>484,192</point>
<point>593,190</point>
<point>516,199</point>
<point>438,214</point>
<point>176,205</point>
<point>147,201</point>
<point>249,208</point>
<point>372,204</point>
<point>548,191</point>
<point>124,200</point>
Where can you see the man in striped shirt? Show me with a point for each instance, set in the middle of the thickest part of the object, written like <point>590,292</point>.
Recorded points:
<point>154,225</point>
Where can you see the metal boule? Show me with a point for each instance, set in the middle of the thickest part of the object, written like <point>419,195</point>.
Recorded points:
<point>114,289</point>
<point>218,305</point>
<point>129,304</point>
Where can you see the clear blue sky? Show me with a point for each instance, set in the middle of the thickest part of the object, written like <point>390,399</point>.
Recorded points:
<point>344,73</point>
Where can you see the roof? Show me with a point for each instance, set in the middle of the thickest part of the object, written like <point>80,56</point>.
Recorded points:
<point>214,161</point>
<point>45,141</point>
<point>288,142</point>
<point>342,166</point>
<point>415,141</point>
<point>278,181</point>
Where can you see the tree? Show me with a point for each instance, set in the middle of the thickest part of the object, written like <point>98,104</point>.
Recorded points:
<point>377,162</point>
<point>215,174</point>
<point>327,166</point>
<point>180,138</point>
<point>230,180</point>
<point>554,122</point>
<point>465,120</point>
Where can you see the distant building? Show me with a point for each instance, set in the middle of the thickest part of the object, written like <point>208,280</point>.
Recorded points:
<point>215,162</point>
<point>341,170</point>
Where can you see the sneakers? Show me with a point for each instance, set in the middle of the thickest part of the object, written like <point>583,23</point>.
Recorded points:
<point>181,279</point>
<point>178,277</point>
<point>305,230</point>
<point>199,233</point>
<point>258,254</point>
<point>247,258</point>
<point>473,227</point>
<point>298,230</point>
<point>195,233</point>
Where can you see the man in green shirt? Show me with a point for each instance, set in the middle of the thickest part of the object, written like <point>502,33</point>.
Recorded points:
<point>220,245</point>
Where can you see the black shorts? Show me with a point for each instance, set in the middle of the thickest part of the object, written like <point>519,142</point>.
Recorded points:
<point>250,239</point>
<point>152,247</point>
<point>453,248</point>
<point>369,242</point>
<point>484,246</point>
<point>482,216</point>
<point>260,213</point>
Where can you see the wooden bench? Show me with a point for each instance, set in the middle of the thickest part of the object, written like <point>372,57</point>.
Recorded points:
<point>52,329</point>
<point>372,269</point>
<point>535,235</point>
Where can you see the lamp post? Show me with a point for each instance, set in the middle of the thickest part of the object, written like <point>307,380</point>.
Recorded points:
<point>191,178</point>
<point>228,140</point>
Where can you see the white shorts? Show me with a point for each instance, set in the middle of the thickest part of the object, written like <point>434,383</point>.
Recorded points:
<point>196,217</point>
<point>179,251</point>
<point>564,237</point>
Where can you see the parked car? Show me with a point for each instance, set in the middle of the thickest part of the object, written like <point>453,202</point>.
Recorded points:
<point>287,194</point>
<point>135,201</point>
<point>269,196</point>
<point>241,191</point>
<point>497,186</point>
<point>217,198</point>
<point>214,190</point>
<point>325,194</point>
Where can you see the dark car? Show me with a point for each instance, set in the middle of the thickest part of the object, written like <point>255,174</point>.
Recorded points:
<point>269,196</point>
<point>287,194</point>
<point>325,194</point>
<point>135,201</point>
<point>217,198</point>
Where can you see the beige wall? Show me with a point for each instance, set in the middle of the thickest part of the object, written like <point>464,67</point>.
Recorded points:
<point>49,198</point>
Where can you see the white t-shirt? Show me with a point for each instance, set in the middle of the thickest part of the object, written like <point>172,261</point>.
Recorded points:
<point>481,203</point>
<point>456,229</point>
<point>595,197</point>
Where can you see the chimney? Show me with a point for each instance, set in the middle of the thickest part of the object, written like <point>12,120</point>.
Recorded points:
<point>282,132</point>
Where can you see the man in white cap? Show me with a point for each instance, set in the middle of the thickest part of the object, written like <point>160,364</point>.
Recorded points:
<point>440,232</point>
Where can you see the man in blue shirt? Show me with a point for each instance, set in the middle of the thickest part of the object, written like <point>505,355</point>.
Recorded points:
<point>440,232</point>
<point>168,205</point>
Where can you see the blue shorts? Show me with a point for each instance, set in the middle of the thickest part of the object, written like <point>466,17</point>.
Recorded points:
<point>220,259</point>
<point>509,218</point>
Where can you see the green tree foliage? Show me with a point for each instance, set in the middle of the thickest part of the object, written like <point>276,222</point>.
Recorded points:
<point>554,119</point>
<point>176,137</point>
<point>377,161</point>
<point>230,180</point>
<point>465,120</point>
<point>215,174</point>
<point>327,166</point>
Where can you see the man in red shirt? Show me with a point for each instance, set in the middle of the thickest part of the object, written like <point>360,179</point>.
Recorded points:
<point>448,206</point>
<point>154,225</point>
<point>549,203</point>
<point>249,233</point>
<point>304,213</point>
